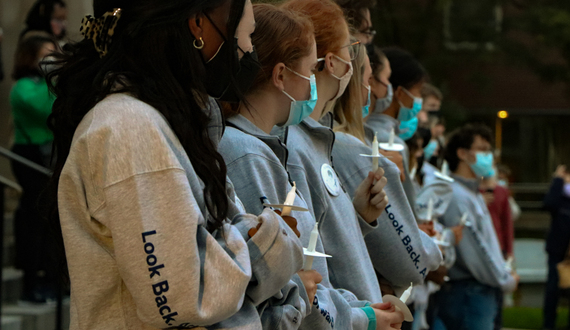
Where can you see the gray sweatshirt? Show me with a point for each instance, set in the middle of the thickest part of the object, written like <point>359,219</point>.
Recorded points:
<point>260,176</point>
<point>133,216</point>
<point>310,165</point>
<point>479,255</point>
<point>383,124</point>
<point>400,252</point>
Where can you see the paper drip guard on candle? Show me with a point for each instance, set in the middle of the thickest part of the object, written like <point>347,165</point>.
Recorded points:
<point>288,206</point>
<point>391,146</point>
<point>400,303</point>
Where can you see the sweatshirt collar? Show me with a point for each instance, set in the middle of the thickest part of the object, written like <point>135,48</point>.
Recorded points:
<point>471,184</point>
<point>272,141</point>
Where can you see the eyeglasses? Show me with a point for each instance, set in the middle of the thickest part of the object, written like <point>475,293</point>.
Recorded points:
<point>353,49</point>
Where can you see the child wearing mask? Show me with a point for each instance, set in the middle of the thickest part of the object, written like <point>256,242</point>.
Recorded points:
<point>468,300</point>
<point>154,235</point>
<point>396,269</point>
<point>283,93</point>
<point>407,79</point>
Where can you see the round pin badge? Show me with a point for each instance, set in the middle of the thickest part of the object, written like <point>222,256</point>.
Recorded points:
<point>330,180</point>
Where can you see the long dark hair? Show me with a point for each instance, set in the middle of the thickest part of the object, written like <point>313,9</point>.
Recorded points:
<point>26,56</point>
<point>151,57</point>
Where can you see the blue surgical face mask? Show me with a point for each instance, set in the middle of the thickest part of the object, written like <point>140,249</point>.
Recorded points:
<point>366,108</point>
<point>302,109</point>
<point>483,166</point>
<point>408,128</point>
<point>383,104</point>
<point>429,150</point>
<point>406,114</point>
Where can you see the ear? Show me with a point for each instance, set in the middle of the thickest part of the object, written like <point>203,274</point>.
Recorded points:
<point>329,64</point>
<point>398,93</point>
<point>462,154</point>
<point>277,76</point>
<point>195,25</point>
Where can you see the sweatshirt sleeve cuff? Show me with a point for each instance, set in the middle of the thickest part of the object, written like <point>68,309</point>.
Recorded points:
<point>366,227</point>
<point>369,311</point>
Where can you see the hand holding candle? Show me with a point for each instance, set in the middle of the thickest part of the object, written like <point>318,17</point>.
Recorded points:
<point>400,303</point>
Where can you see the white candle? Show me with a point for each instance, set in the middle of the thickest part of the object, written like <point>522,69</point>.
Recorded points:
<point>392,136</point>
<point>464,219</point>
<point>375,154</point>
<point>445,168</point>
<point>311,247</point>
<point>290,200</point>
<point>407,293</point>
<point>429,209</point>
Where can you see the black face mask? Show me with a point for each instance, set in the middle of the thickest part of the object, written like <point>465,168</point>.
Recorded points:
<point>219,72</point>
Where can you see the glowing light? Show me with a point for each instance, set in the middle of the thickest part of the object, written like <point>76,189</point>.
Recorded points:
<point>503,114</point>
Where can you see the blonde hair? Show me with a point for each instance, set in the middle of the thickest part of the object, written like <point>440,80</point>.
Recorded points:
<point>347,109</point>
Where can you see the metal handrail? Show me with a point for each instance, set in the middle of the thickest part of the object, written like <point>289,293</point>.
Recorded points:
<point>9,183</point>
<point>3,181</point>
<point>17,158</point>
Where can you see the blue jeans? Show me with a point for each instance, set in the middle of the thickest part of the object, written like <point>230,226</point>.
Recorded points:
<point>468,305</point>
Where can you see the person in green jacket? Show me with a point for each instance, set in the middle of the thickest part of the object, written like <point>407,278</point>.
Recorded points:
<point>31,104</point>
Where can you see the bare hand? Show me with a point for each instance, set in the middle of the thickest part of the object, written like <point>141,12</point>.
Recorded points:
<point>458,233</point>
<point>387,318</point>
<point>517,279</point>
<point>560,172</point>
<point>310,280</point>
<point>437,276</point>
<point>396,158</point>
<point>427,227</point>
<point>370,198</point>
<point>291,222</point>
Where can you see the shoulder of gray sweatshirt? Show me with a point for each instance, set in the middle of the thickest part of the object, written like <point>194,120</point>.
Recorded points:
<point>310,149</point>
<point>133,218</point>
<point>259,176</point>
<point>381,124</point>
<point>479,255</point>
<point>400,252</point>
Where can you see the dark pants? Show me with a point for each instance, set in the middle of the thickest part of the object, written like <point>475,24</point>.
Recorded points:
<point>468,305</point>
<point>552,293</point>
<point>31,230</point>
<point>499,317</point>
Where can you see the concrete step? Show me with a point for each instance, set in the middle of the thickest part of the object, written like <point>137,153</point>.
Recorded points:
<point>37,317</point>
<point>12,285</point>
<point>11,323</point>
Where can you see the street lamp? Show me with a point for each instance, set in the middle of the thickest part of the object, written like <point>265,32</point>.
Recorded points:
<point>503,114</point>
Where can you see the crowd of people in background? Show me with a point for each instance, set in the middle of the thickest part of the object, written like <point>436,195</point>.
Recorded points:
<point>207,150</point>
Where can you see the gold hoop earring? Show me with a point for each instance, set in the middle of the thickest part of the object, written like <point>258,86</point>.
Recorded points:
<point>201,43</point>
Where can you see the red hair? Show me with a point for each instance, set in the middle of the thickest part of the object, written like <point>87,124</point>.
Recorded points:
<point>328,19</point>
<point>281,36</point>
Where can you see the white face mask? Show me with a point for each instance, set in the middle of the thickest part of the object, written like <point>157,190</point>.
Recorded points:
<point>344,80</point>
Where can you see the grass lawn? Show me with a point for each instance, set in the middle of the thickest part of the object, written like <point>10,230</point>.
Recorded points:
<point>531,318</point>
